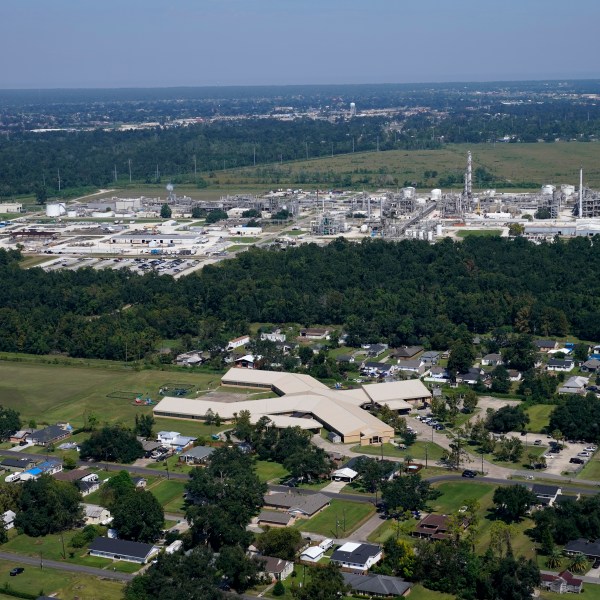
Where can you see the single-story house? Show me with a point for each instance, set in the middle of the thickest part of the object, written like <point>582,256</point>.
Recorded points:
<point>491,360</point>
<point>434,527</point>
<point>149,446</point>
<point>439,373</point>
<point>562,583</point>
<point>16,464</point>
<point>590,549</point>
<point>591,366</point>
<point>76,475</point>
<point>545,345</point>
<point>238,342</point>
<point>314,333</point>
<point>546,494</point>
<point>139,482</point>
<point>431,357</point>
<point>560,364</point>
<point>88,487</point>
<point>274,518</point>
<point>273,336</point>
<point>344,474</point>
<point>96,515</point>
<point>49,435</point>
<point>174,439</point>
<point>574,385</point>
<point>199,455</point>
<point>334,438</point>
<point>8,519</point>
<point>411,366</point>
<point>406,351</point>
<point>312,554</point>
<point>378,368</point>
<point>297,504</point>
<point>514,375</point>
<point>470,377</point>
<point>248,361</point>
<point>345,359</point>
<point>50,466</point>
<point>380,586</point>
<point>122,550</point>
<point>356,556</point>
<point>376,349</point>
<point>190,359</point>
<point>277,568</point>
<point>19,436</point>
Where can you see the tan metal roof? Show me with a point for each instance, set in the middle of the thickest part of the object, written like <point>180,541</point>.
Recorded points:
<point>411,389</point>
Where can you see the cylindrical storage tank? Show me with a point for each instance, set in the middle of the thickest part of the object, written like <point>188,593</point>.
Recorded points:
<point>408,192</point>
<point>436,194</point>
<point>55,210</point>
<point>421,201</point>
<point>438,229</point>
<point>364,229</point>
<point>415,233</point>
<point>71,214</point>
<point>548,190</point>
<point>421,234</point>
<point>568,190</point>
<point>430,236</point>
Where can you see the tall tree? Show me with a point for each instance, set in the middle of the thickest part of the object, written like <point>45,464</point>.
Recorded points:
<point>138,516</point>
<point>9,422</point>
<point>512,502</point>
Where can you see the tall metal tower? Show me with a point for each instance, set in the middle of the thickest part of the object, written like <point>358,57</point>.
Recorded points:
<point>469,177</point>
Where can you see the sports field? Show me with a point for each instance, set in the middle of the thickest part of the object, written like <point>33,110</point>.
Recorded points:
<point>51,393</point>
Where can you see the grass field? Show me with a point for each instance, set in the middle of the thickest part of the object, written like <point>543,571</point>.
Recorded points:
<point>167,491</point>
<point>416,451</point>
<point>454,495</point>
<point>592,469</point>
<point>51,393</point>
<point>324,523</point>
<point>268,470</point>
<point>67,586</point>
<point>539,416</point>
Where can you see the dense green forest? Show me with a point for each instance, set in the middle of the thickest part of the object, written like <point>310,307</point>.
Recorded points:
<point>404,292</point>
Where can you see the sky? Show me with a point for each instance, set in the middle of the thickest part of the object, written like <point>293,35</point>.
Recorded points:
<point>164,43</point>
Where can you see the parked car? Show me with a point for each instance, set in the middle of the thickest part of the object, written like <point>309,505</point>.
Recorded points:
<point>577,461</point>
<point>537,443</point>
<point>586,454</point>
<point>590,449</point>
<point>469,473</point>
<point>16,571</point>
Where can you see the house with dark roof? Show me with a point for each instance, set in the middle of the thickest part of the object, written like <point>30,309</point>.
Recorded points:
<point>49,435</point>
<point>379,586</point>
<point>378,368</point>
<point>562,583</point>
<point>274,518</point>
<point>406,351</point>
<point>122,550</point>
<point>545,345</point>
<point>546,494</point>
<point>560,364</point>
<point>591,366</point>
<point>431,357</point>
<point>276,569</point>
<point>199,455</point>
<point>434,527</point>
<point>87,487</point>
<point>411,366</point>
<point>297,504</point>
<point>16,464</point>
<point>356,556</point>
<point>314,333</point>
<point>590,549</point>
<point>491,360</point>
<point>471,376</point>
<point>376,349</point>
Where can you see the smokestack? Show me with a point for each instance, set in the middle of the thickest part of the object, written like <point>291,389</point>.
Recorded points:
<point>469,175</point>
<point>581,193</point>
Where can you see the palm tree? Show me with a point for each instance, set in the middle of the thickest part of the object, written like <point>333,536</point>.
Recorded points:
<point>579,564</point>
<point>554,559</point>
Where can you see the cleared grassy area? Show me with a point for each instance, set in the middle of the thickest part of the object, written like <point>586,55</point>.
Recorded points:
<point>67,586</point>
<point>592,469</point>
<point>479,233</point>
<point>523,463</point>
<point>454,495</point>
<point>539,416</point>
<point>51,393</point>
<point>416,451</point>
<point>268,470</point>
<point>348,516</point>
<point>168,490</point>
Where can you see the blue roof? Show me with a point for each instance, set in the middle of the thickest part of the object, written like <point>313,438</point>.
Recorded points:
<point>34,471</point>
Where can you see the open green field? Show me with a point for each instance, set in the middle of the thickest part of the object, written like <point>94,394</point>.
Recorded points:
<point>167,491</point>
<point>592,469</point>
<point>268,470</point>
<point>539,416</point>
<point>352,513</point>
<point>416,451</point>
<point>67,586</point>
<point>454,495</point>
<point>50,393</point>
<point>479,233</point>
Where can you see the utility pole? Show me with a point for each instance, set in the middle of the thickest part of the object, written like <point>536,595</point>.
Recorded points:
<point>352,144</point>
<point>195,167</point>
<point>115,172</point>
<point>58,170</point>
<point>426,449</point>
<point>129,163</point>
<point>254,154</point>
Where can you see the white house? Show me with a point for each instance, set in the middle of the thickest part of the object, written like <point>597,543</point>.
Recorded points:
<point>560,364</point>
<point>356,556</point>
<point>277,568</point>
<point>312,554</point>
<point>274,336</point>
<point>574,385</point>
<point>174,439</point>
<point>344,474</point>
<point>238,342</point>
<point>491,360</point>
<point>96,515</point>
<point>8,518</point>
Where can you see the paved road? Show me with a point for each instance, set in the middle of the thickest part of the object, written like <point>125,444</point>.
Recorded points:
<point>73,568</point>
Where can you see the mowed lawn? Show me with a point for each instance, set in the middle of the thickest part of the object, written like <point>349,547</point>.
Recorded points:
<point>592,469</point>
<point>268,470</point>
<point>67,586</point>
<point>344,512</point>
<point>417,451</point>
<point>479,233</point>
<point>539,416</point>
<point>51,393</point>
<point>455,494</point>
<point>166,491</point>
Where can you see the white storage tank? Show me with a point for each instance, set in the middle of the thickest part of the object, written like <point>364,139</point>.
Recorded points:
<point>436,194</point>
<point>548,190</point>
<point>421,201</point>
<point>421,234</point>
<point>71,214</point>
<point>567,190</point>
<point>57,209</point>
<point>408,192</point>
<point>430,236</point>
<point>438,230</point>
<point>364,229</point>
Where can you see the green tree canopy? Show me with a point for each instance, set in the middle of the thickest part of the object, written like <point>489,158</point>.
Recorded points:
<point>512,502</point>
<point>138,516</point>
<point>9,422</point>
<point>112,443</point>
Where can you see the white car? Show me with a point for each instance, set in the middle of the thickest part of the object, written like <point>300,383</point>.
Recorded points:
<point>587,454</point>
<point>548,455</point>
<point>590,449</point>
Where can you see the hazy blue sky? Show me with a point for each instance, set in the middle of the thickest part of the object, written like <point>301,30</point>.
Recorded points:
<point>121,43</point>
